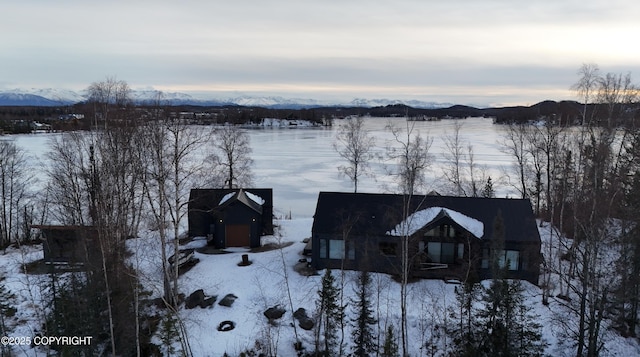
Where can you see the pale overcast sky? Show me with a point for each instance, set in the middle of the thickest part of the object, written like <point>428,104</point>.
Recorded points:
<point>480,52</point>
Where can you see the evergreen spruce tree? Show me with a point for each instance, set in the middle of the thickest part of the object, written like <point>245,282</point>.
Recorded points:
<point>330,312</point>
<point>7,312</point>
<point>390,347</point>
<point>77,309</point>
<point>169,334</point>
<point>464,329</point>
<point>527,336</point>
<point>363,337</point>
<point>507,326</point>
<point>487,191</point>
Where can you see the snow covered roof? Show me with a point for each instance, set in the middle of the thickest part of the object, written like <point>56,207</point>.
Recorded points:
<point>226,198</point>
<point>423,218</point>
<point>253,197</point>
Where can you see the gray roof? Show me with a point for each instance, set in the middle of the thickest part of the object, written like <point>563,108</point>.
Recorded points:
<point>377,214</point>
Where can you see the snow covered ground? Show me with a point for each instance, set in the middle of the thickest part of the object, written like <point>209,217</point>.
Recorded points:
<point>296,164</point>
<point>262,284</point>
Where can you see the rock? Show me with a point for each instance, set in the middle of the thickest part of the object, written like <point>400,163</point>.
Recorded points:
<point>198,298</point>
<point>228,300</point>
<point>300,313</point>
<point>208,301</point>
<point>195,299</point>
<point>306,323</point>
<point>274,313</point>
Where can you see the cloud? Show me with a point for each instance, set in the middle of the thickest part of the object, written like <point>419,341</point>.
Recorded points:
<point>406,47</point>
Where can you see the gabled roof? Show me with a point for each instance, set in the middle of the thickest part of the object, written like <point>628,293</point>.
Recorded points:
<point>427,216</point>
<point>207,199</point>
<point>377,214</point>
<point>250,200</point>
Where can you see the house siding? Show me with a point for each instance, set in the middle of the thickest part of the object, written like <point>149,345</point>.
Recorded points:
<point>236,214</point>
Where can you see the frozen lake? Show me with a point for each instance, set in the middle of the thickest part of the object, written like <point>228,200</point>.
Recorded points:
<point>298,163</point>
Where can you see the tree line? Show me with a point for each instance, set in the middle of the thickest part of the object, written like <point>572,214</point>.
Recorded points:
<point>582,176</point>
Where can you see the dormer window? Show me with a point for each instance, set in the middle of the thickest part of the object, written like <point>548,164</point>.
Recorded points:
<point>441,231</point>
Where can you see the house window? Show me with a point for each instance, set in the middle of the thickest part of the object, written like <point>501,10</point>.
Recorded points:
<point>441,252</point>
<point>442,231</point>
<point>337,249</point>
<point>506,258</point>
<point>389,249</point>
<point>448,230</point>
<point>484,264</point>
<point>510,259</point>
<point>323,248</point>
<point>433,232</point>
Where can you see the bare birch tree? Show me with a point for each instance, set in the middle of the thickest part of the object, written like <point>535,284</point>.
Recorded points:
<point>173,168</point>
<point>411,153</point>
<point>107,96</point>
<point>231,153</point>
<point>514,143</point>
<point>585,87</point>
<point>96,180</point>
<point>455,157</point>
<point>461,169</point>
<point>354,145</point>
<point>15,186</point>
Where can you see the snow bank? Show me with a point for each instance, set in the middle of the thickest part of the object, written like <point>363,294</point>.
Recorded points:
<point>284,123</point>
<point>422,218</point>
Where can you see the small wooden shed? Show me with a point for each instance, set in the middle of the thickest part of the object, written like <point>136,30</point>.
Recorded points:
<point>231,217</point>
<point>68,244</point>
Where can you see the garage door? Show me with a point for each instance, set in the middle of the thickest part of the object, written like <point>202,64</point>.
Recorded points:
<point>238,235</point>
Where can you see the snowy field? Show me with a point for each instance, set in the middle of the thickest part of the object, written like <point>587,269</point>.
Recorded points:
<point>262,285</point>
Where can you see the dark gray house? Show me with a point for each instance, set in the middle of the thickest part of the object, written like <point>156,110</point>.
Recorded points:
<point>448,237</point>
<point>231,217</point>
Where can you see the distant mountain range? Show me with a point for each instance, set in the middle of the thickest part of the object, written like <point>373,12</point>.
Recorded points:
<point>59,97</point>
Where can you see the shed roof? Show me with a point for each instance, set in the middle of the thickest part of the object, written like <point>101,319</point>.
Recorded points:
<point>378,214</point>
<point>207,199</point>
<point>248,199</point>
